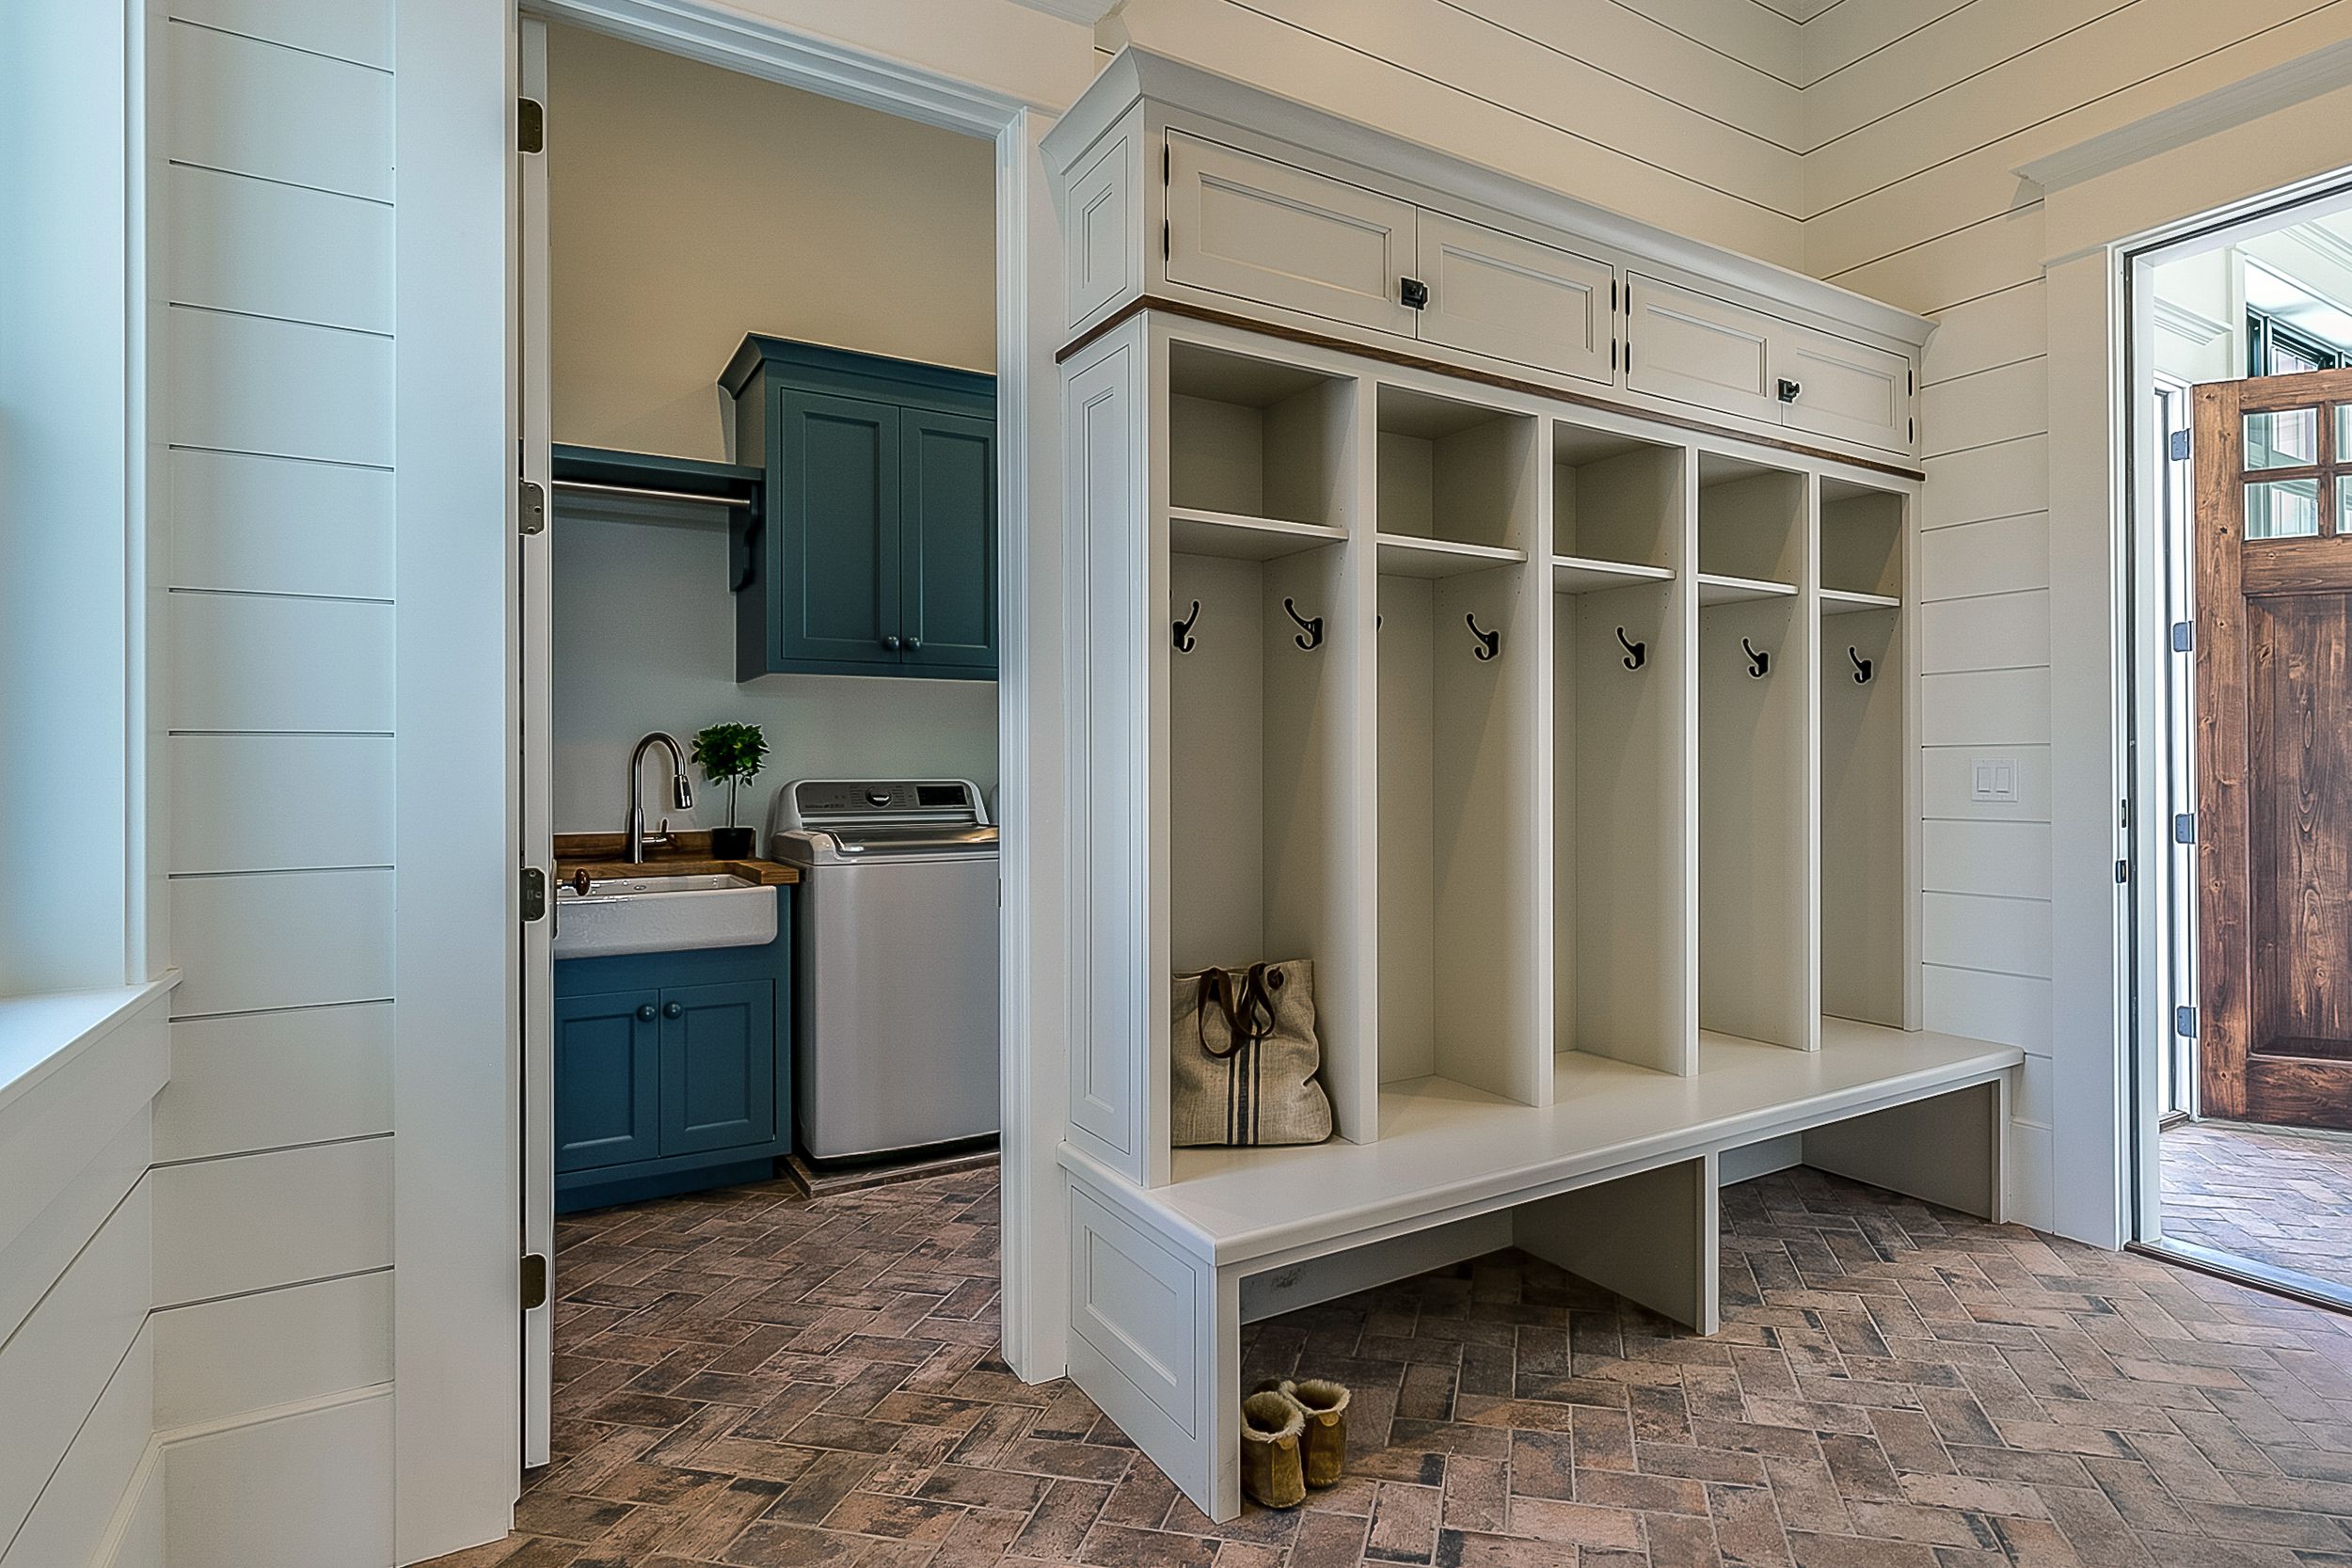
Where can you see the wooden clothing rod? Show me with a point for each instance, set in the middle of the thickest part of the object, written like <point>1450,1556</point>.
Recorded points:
<point>650,494</point>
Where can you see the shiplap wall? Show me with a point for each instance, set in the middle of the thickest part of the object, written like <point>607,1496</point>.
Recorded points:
<point>272,1151</point>
<point>1913,200</point>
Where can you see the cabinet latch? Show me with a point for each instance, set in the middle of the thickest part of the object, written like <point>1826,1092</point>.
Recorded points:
<point>1788,389</point>
<point>533,1277</point>
<point>1413,293</point>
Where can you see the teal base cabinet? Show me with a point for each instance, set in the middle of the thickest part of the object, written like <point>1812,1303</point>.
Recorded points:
<point>673,1071</point>
<point>874,552</point>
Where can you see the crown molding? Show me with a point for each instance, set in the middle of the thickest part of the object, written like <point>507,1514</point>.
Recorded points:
<point>2193,325</point>
<point>2264,92</point>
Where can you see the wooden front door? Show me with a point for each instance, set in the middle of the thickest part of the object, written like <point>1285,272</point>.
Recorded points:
<point>2273,462</point>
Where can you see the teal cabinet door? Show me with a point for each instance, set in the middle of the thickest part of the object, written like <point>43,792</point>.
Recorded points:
<point>718,1065</point>
<point>607,1079</point>
<point>948,541</point>
<point>838,589</point>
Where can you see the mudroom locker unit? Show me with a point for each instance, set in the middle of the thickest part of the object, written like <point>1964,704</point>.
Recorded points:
<point>1502,605</point>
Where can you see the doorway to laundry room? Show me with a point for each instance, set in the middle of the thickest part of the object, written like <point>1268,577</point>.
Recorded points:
<point>2245,597</point>
<point>760,594</point>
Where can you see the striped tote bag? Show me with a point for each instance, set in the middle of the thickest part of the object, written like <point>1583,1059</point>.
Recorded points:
<point>1246,1057</point>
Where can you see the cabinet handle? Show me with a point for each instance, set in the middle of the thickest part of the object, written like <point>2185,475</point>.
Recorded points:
<point>1788,389</point>
<point>1413,293</point>
<point>890,642</point>
<point>645,1014</point>
<point>671,1009</point>
<point>913,643</point>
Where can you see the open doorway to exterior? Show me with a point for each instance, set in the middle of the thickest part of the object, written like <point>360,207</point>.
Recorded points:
<point>2245,611</point>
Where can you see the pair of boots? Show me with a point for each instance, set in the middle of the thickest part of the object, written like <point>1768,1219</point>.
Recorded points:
<point>1294,1436</point>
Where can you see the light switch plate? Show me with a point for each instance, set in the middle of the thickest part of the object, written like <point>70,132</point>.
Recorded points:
<point>1993,781</point>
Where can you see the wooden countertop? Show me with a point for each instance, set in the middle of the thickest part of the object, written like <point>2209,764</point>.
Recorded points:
<point>605,857</point>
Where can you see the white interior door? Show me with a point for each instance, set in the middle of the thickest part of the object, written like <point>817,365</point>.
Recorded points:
<point>536,743</point>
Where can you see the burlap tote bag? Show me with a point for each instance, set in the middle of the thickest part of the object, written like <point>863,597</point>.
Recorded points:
<point>1246,1057</point>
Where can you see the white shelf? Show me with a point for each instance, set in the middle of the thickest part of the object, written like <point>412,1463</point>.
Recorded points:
<point>1192,531</point>
<point>1446,1148</point>
<point>1576,573</point>
<point>1715,588</point>
<point>1844,601</point>
<point>1404,555</point>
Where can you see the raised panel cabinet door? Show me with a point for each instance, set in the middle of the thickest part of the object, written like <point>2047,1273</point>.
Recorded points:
<point>607,1079</point>
<point>718,1065</point>
<point>1511,298</point>
<point>1693,349</point>
<point>837,522</point>
<point>1248,227</point>
<point>1843,389</point>
<point>948,541</point>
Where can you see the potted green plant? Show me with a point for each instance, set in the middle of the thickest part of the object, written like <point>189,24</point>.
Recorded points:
<point>731,754</point>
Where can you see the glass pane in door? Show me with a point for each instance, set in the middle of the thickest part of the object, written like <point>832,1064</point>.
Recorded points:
<point>2282,438</point>
<point>2283,509</point>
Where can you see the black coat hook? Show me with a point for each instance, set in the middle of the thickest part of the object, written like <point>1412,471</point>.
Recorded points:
<point>1636,653</point>
<point>1861,666</point>
<point>1758,664</point>
<point>1489,643</point>
<point>1310,635</point>
<point>1184,642</point>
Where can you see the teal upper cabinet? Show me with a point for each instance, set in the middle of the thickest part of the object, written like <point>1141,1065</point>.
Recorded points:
<point>875,553</point>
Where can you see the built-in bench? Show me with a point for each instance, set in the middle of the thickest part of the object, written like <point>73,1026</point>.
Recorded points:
<point>1615,1181</point>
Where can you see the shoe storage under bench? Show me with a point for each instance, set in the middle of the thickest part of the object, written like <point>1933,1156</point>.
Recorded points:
<point>1615,1182</point>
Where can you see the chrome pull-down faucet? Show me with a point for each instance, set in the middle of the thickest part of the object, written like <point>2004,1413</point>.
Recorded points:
<point>681,790</point>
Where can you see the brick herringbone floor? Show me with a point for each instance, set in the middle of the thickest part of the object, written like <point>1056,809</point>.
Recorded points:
<point>2278,1195</point>
<point>751,1380</point>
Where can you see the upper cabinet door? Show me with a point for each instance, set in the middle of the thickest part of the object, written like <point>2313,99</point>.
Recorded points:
<point>1259,230</point>
<point>1498,295</point>
<point>948,541</point>
<point>1685,346</point>
<point>1843,389</point>
<point>839,517</point>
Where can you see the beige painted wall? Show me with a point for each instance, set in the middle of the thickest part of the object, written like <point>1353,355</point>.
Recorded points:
<point>689,205</point>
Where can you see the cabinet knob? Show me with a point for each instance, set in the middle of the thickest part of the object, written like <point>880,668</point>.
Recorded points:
<point>671,1009</point>
<point>913,643</point>
<point>645,1014</point>
<point>1788,389</point>
<point>890,642</point>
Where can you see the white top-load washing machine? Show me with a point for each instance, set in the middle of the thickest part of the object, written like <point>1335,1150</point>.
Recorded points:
<point>895,994</point>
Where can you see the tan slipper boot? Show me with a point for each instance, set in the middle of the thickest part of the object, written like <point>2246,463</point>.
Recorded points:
<point>1326,1445</point>
<point>1273,1473</point>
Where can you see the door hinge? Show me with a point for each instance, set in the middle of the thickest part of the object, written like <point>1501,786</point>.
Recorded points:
<point>535,894</point>
<point>1167,241</point>
<point>2185,828</point>
<point>2184,637</point>
<point>531,125</point>
<point>531,509</point>
<point>1613,297</point>
<point>533,1277</point>
<point>2184,1023</point>
<point>1910,385</point>
<point>2123,871</point>
<point>1911,431</point>
<point>2176,445</point>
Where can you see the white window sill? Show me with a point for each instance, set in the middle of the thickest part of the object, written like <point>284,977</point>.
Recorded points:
<point>39,1034</point>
